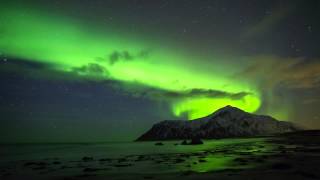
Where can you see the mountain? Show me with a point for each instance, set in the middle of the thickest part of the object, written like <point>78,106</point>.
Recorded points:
<point>225,122</point>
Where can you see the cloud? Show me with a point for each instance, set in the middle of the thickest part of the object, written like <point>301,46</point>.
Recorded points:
<point>292,73</point>
<point>142,91</point>
<point>91,69</point>
<point>286,84</point>
<point>39,70</point>
<point>197,93</point>
<point>117,56</point>
<point>23,64</point>
<point>310,101</point>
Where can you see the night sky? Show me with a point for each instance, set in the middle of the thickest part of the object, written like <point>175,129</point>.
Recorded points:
<point>106,70</point>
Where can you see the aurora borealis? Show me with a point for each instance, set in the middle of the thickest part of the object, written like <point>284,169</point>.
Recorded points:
<point>127,64</point>
<point>30,36</point>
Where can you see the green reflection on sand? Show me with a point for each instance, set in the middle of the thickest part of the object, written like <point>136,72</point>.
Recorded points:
<point>223,154</point>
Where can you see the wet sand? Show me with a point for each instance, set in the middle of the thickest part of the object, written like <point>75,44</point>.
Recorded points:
<point>294,156</point>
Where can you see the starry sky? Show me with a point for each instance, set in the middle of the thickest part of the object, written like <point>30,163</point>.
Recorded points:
<point>106,70</point>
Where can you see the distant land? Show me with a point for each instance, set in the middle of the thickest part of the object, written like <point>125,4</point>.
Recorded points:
<point>226,122</point>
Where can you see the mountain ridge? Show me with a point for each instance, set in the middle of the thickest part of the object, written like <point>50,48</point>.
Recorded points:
<point>225,122</point>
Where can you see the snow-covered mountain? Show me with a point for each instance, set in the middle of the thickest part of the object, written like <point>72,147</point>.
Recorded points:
<point>225,122</point>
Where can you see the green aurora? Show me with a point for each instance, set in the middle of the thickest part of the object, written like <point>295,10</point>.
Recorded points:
<point>102,52</point>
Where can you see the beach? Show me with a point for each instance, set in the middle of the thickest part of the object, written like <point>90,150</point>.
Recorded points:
<point>294,156</point>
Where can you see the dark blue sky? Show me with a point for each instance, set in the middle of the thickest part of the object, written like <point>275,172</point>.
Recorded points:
<point>34,108</point>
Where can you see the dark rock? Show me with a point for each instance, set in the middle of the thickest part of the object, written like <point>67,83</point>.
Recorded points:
<point>86,175</point>
<point>187,173</point>
<point>195,141</point>
<point>159,144</point>
<point>64,167</point>
<point>122,165</point>
<point>185,155</point>
<point>93,169</point>
<point>39,168</point>
<point>141,158</point>
<point>229,170</point>
<point>35,164</point>
<point>283,152</point>
<point>90,169</point>
<point>29,163</point>
<point>184,142</point>
<point>179,160</point>
<point>281,166</point>
<point>105,159</point>
<point>259,160</point>
<point>241,160</point>
<point>87,158</point>
<point>122,160</point>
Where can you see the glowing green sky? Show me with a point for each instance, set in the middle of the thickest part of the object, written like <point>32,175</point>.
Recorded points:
<point>68,44</point>
<point>113,68</point>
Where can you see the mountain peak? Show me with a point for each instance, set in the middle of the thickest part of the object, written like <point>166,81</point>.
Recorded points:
<point>228,110</point>
<point>231,111</point>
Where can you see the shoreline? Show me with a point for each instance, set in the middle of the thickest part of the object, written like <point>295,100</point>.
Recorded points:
<point>294,155</point>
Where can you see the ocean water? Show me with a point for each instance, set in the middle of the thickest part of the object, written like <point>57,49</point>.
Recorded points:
<point>124,156</point>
